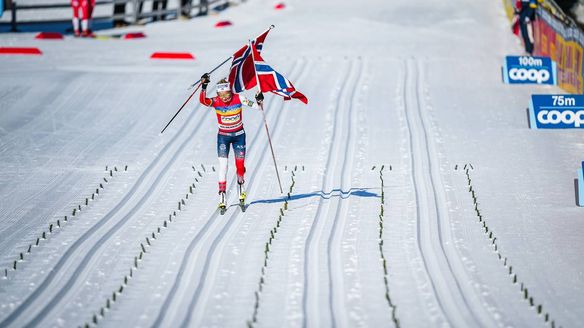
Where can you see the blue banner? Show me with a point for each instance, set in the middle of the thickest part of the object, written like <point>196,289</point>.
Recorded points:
<point>529,70</point>
<point>1,7</point>
<point>556,112</point>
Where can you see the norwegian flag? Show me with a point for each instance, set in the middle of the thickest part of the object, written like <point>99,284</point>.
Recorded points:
<point>242,74</point>
<point>272,81</point>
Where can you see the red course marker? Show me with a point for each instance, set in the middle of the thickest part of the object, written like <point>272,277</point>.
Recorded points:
<point>280,6</point>
<point>223,23</point>
<point>135,35</point>
<point>19,51</point>
<point>172,55</point>
<point>49,36</point>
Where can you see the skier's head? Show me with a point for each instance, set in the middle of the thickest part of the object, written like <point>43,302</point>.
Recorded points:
<point>223,90</point>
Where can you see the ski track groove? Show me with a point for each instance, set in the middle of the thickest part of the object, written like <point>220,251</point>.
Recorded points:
<point>417,192</point>
<point>257,304</point>
<point>317,216</point>
<point>195,241</point>
<point>452,299</point>
<point>452,255</point>
<point>56,103</point>
<point>142,255</point>
<point>33,125</point>
<point>58,179</point>
<point>70,252</point>
<point>265,267</point>
<point>342,210</point>
<point>125,219</point>
<point>55,182</point>
<point>64,224</point>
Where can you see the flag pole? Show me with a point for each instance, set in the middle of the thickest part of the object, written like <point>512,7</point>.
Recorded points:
<point>198,83</point>
<point>265,120</point>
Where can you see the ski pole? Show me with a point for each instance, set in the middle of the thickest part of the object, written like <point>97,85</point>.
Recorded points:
<point>181,107</point>
<point>264,115</point>
<point>192,94</point>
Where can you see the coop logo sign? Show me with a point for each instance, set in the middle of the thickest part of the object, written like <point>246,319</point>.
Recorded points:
<point>566,117</point>
<point>556,112</point>
<point>529,75</point>
<point>534,70</point>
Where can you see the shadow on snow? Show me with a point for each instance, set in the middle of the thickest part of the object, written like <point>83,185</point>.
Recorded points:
<point>358,192</point>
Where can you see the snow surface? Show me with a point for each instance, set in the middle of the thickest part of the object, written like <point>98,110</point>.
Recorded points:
<point>380,229</point>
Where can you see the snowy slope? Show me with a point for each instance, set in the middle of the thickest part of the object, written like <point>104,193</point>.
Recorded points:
<point>379,229</point>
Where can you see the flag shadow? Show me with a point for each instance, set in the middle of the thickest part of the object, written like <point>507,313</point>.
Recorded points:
<point>358,192</point>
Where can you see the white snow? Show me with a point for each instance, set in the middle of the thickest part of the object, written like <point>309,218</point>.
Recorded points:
<point>410,86</point>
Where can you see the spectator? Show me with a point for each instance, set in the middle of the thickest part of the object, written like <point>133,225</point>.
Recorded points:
<point>83,8</point>
<point>525,15</point>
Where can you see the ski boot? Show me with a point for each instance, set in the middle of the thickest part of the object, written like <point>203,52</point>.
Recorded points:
<point>87,34</point>
<point>222,206</point>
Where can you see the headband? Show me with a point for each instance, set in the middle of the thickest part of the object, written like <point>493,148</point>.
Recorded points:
<point>222,87</point>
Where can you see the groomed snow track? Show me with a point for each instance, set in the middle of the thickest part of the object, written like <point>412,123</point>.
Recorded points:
<point>134,199</point>
<point>378,229</point>
<point>455,297</point>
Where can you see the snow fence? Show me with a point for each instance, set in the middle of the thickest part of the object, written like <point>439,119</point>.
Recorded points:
<point>558,37</point>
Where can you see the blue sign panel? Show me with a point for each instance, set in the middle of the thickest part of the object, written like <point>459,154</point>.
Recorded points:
<point>556,112</point>
<point>529,70</point>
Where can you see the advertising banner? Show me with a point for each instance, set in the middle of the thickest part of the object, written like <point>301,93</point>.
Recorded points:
<point>524,70</point>
<point>564,45</point>
<point>556,112</point>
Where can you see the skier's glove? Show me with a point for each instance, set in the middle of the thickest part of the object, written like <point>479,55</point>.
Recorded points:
<point>533,5</point>
<point>259,97</point>
<point>205,80</point>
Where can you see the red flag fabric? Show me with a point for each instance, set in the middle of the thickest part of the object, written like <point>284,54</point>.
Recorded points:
<point>242,74</point>
<point>274,82</point>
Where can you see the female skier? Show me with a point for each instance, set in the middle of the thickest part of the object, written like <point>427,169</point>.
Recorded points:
<point>86,9</point>
<point>228,108</point>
